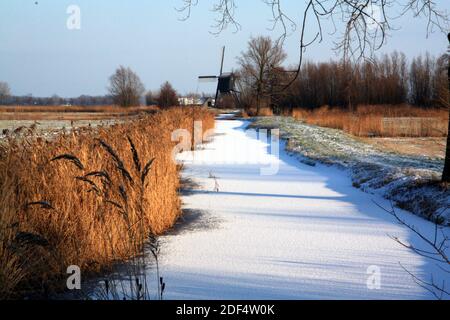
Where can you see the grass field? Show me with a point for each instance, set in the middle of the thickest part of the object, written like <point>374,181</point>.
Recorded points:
<point>430,147</point>
<point>89,196</point>
<point>69,113</point>
<point>75,109</point>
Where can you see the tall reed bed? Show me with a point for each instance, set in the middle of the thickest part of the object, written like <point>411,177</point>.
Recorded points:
<point>88,197</point>
<point>380,120</point>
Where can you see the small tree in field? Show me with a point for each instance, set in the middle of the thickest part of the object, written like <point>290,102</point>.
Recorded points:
<point>259,65</point>
<point>168,97</point>
<point>125,87</point>
<point>4,91</point>
<point>150,98</point>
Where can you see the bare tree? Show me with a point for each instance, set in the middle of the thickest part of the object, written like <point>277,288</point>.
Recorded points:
<point>4,91</point>
<point>150,98</point>
<point>259,65</point>
<point>125,87</point>
<point>167,97</point>
<point>441,94</point>
<point>421,80</point>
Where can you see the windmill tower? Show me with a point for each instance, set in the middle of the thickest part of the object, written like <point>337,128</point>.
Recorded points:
<point>225,83</point>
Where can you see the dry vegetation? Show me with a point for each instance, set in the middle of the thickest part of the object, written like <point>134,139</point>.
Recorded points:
<point>251,112</point>
<point>89,109</point>
<point>70,112</point>
<point>431,147</point>
<point>84,198</point>
<point>380,120</point>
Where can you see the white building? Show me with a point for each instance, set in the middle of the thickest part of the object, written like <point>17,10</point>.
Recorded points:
<point>189,101</point>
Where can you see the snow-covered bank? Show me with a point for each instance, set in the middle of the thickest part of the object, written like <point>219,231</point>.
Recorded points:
<point>410,181</point>
<point>304,233</point>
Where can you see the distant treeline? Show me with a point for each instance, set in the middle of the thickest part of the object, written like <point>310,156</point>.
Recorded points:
<point>390,79</point>
<point>83,100</point>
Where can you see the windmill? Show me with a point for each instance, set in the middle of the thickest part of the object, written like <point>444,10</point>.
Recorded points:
<point>225,83</point>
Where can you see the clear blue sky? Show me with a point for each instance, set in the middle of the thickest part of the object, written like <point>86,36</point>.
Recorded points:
<point>39,55</point>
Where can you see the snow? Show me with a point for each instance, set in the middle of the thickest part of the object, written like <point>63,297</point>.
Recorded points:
<point>304,233</point>
<point>412,182</point>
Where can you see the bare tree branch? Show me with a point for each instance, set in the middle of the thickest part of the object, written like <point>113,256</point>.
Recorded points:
<point>436,252</point>
<point>365,24</point>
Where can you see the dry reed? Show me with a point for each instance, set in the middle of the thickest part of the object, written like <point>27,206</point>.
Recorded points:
<point>263,112</point>
<point>83,198</point>
<point>380,120</point>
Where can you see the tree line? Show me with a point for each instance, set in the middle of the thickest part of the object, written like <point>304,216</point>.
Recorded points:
<point>125,90</point>
<point>387,79</point>
<point>83,100</point>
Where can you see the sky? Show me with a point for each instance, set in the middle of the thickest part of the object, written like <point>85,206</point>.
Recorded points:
<point>40,55</point>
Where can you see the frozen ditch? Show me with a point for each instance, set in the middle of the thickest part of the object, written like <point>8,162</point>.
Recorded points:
<point>304,233</point>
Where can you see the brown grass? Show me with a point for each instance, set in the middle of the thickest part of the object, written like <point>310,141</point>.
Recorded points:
<point>263,112</point>
<point>432,147</point>
<point>89,109</point>
<point>70,112</point>
<point>86,207</point>
<point>380,120</point>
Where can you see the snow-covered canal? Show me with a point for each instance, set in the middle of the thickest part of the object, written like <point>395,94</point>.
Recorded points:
<point>303,233</point>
